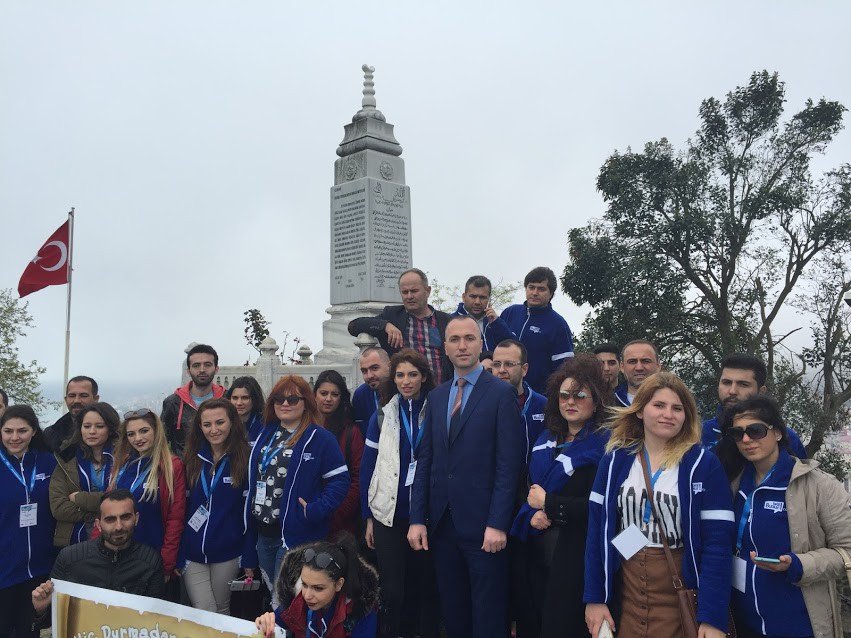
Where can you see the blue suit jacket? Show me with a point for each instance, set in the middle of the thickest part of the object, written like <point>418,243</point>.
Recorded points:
<point>475,468</point>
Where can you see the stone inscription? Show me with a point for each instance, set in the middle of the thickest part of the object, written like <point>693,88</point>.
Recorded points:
<point>348,237</point>
<point>391,233</point>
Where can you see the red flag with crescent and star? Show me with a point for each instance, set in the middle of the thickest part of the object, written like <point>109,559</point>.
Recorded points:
<point>50,265</point>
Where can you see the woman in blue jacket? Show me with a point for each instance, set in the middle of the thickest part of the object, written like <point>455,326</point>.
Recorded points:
<point>26,525</point>
<point>692,497</point>
<point>216,540</point>
<point>791,517</point>
<point>296,476</point>
<point>247,397</point>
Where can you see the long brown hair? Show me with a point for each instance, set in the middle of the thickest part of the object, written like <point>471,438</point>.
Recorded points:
<point>110,418</point>
<point>406,355</point>
<point>236,445</point>
<point>161,463</point>
<point>286,386</point>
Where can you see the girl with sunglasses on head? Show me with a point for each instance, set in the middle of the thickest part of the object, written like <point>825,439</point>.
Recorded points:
<point>553,522</point>
<point>82,473</point>
<point>247,397</point>
<point>326,590</point>
<point>791,517</point>
<point>216,539</point>
<point>296,476</point>
<point>145,465</point>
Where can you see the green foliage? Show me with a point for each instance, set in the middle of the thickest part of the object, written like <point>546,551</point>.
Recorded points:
<point>833,462</point>
<point>17,378</point>
<point>256,328</point>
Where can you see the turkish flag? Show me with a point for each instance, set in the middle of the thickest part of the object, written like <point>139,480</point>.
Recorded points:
<point>50,266</point>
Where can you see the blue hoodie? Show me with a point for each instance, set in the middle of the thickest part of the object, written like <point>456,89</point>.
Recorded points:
<point>254,427</point>
<point>88,483</point>
<point>364,405</point>
<point>224,535</point>
<point>622,395</point>
<point>707,524</point>
<point>317,473</point>
<point>533,416</point>
<point>151,529</point>
<point>28,551</point>
<point>493,332</point>
<point>547,338</point>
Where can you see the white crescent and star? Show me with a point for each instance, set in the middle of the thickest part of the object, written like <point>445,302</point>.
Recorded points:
<point>63,256</point>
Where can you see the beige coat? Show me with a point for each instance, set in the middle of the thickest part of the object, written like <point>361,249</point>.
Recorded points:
<point>819,519</point>
<point>64,482</point>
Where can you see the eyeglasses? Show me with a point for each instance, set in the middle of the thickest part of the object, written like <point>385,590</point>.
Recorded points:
<point>755,431</point>
<point>321,559</point>
<point>576,396</point>
<point>137,414</point>
<point>505,364</point>
<point>293,399</point>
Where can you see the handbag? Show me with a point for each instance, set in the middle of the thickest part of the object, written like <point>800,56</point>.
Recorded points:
<point>687,598</point>
<point>847,560</point>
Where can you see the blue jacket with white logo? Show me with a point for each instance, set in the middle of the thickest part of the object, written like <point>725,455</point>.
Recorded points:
<point>706,521</point>
<point>547,338</point>
<point>224,534</point>
<point>28,551</point>
<point>317,473</point>
<point>622,395</point>
<point>493,332</point>
<point>712,432</point>
<point>533,416</point>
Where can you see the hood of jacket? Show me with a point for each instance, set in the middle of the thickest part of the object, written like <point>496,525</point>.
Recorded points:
<point>184,392</point>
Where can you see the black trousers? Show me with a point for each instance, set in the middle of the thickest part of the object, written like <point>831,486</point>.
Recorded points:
<point>16,609</point>
<point>409,602</point>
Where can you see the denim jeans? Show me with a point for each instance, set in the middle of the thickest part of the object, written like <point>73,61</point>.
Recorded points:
<point>270,553</point>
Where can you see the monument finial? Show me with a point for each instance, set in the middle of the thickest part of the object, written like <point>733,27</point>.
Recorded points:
<point>368,102</point>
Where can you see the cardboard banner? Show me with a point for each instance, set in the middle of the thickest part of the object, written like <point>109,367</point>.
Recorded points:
<point>80,611</point>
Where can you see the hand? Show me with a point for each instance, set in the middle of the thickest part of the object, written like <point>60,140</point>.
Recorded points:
<point>249,573</point>
<point>540,521</point>
<point>418,537</point>
<point>370,534</point>
<point>536,497</point>
<point>595,614</point>
<point>266,624</point>
<point>303,504</point>
<point>784,564</point>
<point>495,540</point>
<point>490,314</point>
<point>708,631</point>
<point>73,497</point>
<point>41,596</point>
<point>394,335</point>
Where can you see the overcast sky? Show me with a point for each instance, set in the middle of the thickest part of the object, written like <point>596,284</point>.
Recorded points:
<point>197,140</point>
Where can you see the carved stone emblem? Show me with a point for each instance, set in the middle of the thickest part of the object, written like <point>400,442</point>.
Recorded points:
<point>386,170</point>
<point>351,169</point>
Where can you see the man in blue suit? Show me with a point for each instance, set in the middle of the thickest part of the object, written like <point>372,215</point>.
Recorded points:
<point>465,481</point>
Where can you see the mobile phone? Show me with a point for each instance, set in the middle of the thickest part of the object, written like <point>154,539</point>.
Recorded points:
<point>764,559</point>
<point>244,585</point>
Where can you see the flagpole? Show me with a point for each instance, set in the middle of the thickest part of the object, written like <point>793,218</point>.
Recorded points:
<point>68,306</point>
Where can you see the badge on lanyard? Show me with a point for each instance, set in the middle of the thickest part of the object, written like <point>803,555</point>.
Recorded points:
<point>412,470</point>
<point>199,518</point>
<point>29,515</point>
<point>630,541</point>
<point>260,494</point>
<point>740,573</point>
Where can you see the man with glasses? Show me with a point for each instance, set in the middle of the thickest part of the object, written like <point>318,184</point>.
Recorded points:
<point>476,303</point>
<point>80,393</point>
<point>510,364</point>
<point>179,409</point>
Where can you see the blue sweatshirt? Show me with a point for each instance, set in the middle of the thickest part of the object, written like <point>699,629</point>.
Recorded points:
<point>493,332</point>
<point>412,410</point>
<point>254,427</point>
<point>712,433</point>
<point>364,405</point>
<point>27,551</point>
<point>532,414</point>
<point>547,338</point>
<point>706,521</point>
<point>317,473</point>
<point>224,534</point>
<point>150,529</point>
<point>91,481</point>
<point>771,604</point>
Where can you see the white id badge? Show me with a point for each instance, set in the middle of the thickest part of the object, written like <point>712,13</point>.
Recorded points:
<point>199,517</point>
<point>260,494</point>
<point>740,573</point>
<point>29,515</point>
<point>412,471</point>
<point>630,541</point>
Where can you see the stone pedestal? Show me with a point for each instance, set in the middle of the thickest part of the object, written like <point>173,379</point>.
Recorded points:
<point>337,343</point>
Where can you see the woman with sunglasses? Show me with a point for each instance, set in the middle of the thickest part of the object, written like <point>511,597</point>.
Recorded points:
<point>26,526</point>
<point>690,515</point>
<point>145,465</point>
<point>296,476</point>
<point>337,593</point>
<point>408,583</point>
<point>553,522</point>
<point>247,397</point>
<point>82,473</point>
<point>216,539</point>
<point>791,516</point>
<point>334,405</point>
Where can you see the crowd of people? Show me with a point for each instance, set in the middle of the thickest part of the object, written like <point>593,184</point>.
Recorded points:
<point>483,481</point>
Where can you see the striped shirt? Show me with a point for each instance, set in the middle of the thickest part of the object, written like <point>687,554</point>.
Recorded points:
<point>424,337</point>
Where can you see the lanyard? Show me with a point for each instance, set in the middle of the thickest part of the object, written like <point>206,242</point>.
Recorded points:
<point>140,477</point>
<point>268,454</point>
<point>310,626</point>
<point>375,396</point>
<point>746,511</point>
<point>208,488</point>
<point>409,430</point>
<point>653,478</point>
<point>20,476</point>
<point>97,479</point>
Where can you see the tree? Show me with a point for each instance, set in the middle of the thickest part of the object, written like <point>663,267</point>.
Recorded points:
<point>256,328</point>
<point>700,249</point>
<point>18,379</point>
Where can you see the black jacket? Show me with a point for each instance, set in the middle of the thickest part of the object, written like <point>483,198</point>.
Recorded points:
<point>59,432</point>
<point>398,316</point>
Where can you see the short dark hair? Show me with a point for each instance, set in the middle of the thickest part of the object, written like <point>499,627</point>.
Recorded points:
<point>487,355</point>
<point>423,277</point>
<point>644,342</point>
<point>5,398</point>
<point>255,393</point>
<point>81,378</point>
<point>478,281</point>
<point>25,412</point>
<point>202,348</point>
<point>609,348</point>
<point>407,355</point>
<point>118,494</point>
<point>742,361</point>
<point>761,407</point>
<point>524,353</point>
<point>382,353</point>
<point>542,273</point>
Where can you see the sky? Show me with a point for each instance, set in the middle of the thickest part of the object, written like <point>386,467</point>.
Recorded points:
<point>196,141</point>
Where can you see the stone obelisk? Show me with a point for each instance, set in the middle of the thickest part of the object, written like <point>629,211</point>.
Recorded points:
<point>370,224</point>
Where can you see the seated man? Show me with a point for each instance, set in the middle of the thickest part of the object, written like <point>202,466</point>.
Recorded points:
<point>112,561</point>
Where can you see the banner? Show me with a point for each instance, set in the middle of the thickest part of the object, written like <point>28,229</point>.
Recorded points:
<point>91,612</point>
<point>50,265</point>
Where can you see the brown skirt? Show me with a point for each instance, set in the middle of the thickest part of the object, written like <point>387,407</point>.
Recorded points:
<point>650,606</point>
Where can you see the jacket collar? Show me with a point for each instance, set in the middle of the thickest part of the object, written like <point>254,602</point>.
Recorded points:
<point>185,394</point>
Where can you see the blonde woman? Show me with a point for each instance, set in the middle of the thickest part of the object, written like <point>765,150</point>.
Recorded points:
<point>693,513</point>
<point>145,465</point>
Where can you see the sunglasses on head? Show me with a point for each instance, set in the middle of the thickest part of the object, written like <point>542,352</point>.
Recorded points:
<point>755,431</point>
<point>563,395</point>
<point>293,399</point>
<point>137,414</point>
<point>321,559</point>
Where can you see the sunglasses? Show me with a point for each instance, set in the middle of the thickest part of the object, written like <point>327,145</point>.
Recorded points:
<point>321,559</point>
<point>137,414</point>
<point>755,431</point>
<point>576,396</point>
<point>293,399</point>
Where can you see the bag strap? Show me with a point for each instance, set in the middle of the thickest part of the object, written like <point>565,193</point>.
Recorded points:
<point>847,560</point>
<point>348,443</point>
<point>672,566</point>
